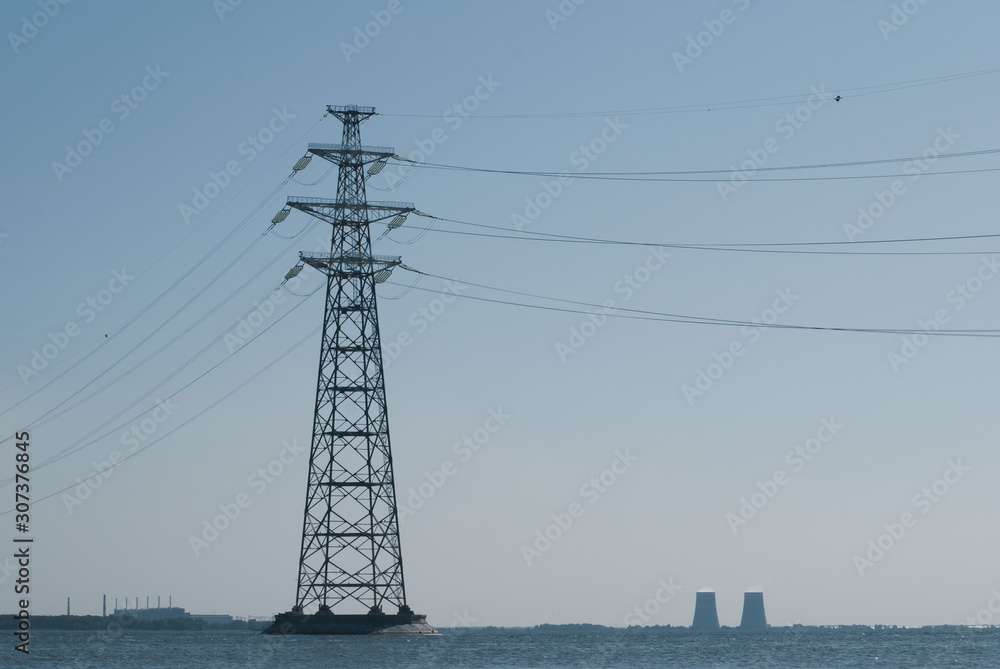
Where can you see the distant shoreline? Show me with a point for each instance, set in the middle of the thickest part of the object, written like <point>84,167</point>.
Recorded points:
<point>99,623</point>
<point>96,623</point>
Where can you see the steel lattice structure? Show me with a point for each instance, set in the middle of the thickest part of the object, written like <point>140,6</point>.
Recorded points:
<point>350,537</point>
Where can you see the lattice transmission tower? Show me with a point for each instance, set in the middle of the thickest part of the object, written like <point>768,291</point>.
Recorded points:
<point>350,556</point>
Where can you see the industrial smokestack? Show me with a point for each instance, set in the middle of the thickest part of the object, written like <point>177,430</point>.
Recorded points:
<point>104,607</point>
<point>67,606</point>
<point>753,612</point>
<point>706,617</point>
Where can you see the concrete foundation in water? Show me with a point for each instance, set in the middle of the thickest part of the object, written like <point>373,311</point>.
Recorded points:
<point>326,622</point>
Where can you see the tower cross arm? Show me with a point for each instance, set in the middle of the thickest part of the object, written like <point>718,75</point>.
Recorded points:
<point>332,211</point>
<point>361,155</point>
<point>350,264</point>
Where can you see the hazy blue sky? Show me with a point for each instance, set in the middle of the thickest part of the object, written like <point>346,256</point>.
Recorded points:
<point>199,81</point>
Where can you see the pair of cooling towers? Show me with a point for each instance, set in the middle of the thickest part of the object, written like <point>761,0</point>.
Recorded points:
<point>706,617</point>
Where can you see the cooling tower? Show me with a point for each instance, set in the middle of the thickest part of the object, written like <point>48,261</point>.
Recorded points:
<point>753,612</point>
<point>706,618</point>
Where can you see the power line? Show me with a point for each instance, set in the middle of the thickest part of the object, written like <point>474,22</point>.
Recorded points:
<point>49,415</point>
<point>196,416</point>
<point>744,248</point>
<point>169,289</point>
<point>648,315</point>
<point>665,176</point>
<point>145,309</point>
<point>733,104</point>
<point>903,240</point>
<point>73,447</point>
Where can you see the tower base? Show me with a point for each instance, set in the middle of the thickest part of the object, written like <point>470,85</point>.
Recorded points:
<point>324,622</point>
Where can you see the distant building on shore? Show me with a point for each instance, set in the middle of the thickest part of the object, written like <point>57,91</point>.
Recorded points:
<point>154,614</point>
<point>173,612</point>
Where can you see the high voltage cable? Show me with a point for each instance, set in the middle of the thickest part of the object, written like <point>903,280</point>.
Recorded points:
<point>813,166</point>
<point>145,309</point>
<point>735,104</point>
<point>197,415</point>
<point>49,415</point>
<point>744,248</point>
<point>648,315</point>
<point>904,240</point>
<point>74,448</point>
<point>635,176</point>
<point>55,363</point>
<point>168,378</point>
<point>205,257</point>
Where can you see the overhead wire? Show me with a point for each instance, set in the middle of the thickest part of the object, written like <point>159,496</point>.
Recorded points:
<point>641,314</point>
<point>195,417</point>
<point>73,447</point>
<point>163,294</point>
<point>52,414</point>
<point>149,306</point>
<point>636,176</point>
<point>526,235</point>
<point>780,100</point>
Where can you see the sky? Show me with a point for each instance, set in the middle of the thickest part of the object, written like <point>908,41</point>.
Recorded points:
<point>620,465</point>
